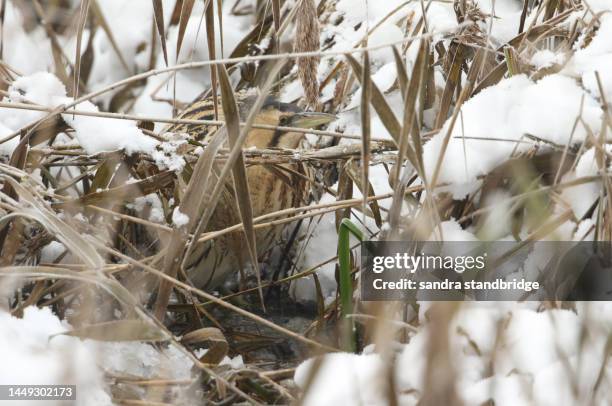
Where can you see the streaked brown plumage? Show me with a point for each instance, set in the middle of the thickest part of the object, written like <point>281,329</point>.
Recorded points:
<point>271,188</point>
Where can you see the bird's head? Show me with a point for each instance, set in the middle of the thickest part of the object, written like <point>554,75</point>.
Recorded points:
<point>309,119</point>
<point>281,114</point>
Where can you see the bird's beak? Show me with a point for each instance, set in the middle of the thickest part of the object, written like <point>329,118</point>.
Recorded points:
<point>311,119</point>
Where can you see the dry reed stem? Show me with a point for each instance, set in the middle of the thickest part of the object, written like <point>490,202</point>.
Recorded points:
<point>307,40</point>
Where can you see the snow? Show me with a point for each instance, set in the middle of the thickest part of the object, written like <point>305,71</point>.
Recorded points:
<point>41,88</point>
<point>97,134</point>
<point>537,350</point>
<point>545,58</point>
<point>28,52</point>
<point>94,134</point>
<point>509,353</point>
<point>32,353</point>
<point>149,207</point>
<point>440,17</point>
<point>451,231</point>
<point>386,34</point>
<point>596,57</point>
<point>384,78</point>
<point>498,221</point>
<point>141,359</point>
<point>31,356</point>
<point>505,23</point>
<point>130,23</point>
<point>166,156</point>
<point>516,106</point>
<point>51,252</point>
<point>343,378</point>
<point>322,244</point>
<point>319,241</point>
<point>192,82</point>
<point>382,20</point>
<point>582,197</point>
<point>356,11</point>
<point>236,362</point>
<point>598,6</point>
<point>179,219</point>
<point>7,147</point>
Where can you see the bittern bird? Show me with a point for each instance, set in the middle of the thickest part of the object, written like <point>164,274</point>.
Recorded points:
<point>271,187</point>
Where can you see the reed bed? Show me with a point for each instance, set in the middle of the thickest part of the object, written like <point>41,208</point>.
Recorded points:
<point>91,236</point>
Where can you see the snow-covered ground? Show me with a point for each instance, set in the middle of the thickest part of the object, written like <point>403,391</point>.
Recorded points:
<point>32,356</point>
<point>34,351</point>
<point>506,353</point>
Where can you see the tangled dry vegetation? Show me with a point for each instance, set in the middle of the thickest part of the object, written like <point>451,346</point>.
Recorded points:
<point>105,280</point>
